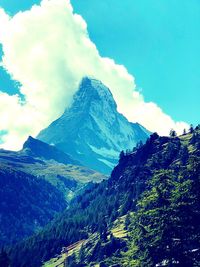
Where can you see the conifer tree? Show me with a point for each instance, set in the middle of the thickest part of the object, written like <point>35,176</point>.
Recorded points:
<point>191,130</point>
<point>172,133</point>
<point>4,259</point>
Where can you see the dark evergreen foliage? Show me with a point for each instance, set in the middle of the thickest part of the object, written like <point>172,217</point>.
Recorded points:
<point>159,183</point>
<point>4,259</point>
<point>26,204</point>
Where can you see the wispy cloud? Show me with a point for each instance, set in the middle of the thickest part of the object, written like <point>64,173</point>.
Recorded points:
<point>48,50</point>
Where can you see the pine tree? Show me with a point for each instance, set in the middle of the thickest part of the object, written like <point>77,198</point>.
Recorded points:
<point>4,260</point>
<point>81,254</point>
<point>127,221</point>
<point>103,229</point>
<point>121,155</point>
<point>184,132</point>
<point>172,133</point>
<point>184,154</point>
<point>191,129</point>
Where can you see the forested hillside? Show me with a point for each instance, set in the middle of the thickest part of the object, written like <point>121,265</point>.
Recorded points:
<point>26,204</point>
<point>156,187</point>
<point>35,184</point>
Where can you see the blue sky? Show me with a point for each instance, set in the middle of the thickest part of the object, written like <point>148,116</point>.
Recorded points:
<point>158,42</point>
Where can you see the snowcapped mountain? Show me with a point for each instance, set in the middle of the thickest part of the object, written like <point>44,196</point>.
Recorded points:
<point>91,130</point>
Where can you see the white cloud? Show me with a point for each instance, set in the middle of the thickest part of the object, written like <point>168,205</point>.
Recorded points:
<point>17,119</point>
<point>48,50</point>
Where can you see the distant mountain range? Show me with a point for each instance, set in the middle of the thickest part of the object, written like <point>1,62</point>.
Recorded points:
<point>92,131</point>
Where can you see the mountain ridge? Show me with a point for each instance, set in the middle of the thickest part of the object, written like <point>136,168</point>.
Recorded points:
<point>36,148</point>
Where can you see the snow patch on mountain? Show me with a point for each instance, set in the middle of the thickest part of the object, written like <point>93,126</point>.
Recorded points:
<point>104,152</point>
<point>108,163</point>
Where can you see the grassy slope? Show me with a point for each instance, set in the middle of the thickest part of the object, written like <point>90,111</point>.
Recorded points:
<point>118,231</point>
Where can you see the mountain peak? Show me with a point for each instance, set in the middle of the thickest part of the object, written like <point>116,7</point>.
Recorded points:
<point>29,141</point>
<point>91,91</point>
<point>92,130</point>
<point>90,82</point>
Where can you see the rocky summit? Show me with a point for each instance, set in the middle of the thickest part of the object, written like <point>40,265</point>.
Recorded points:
<point>91,130</point>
